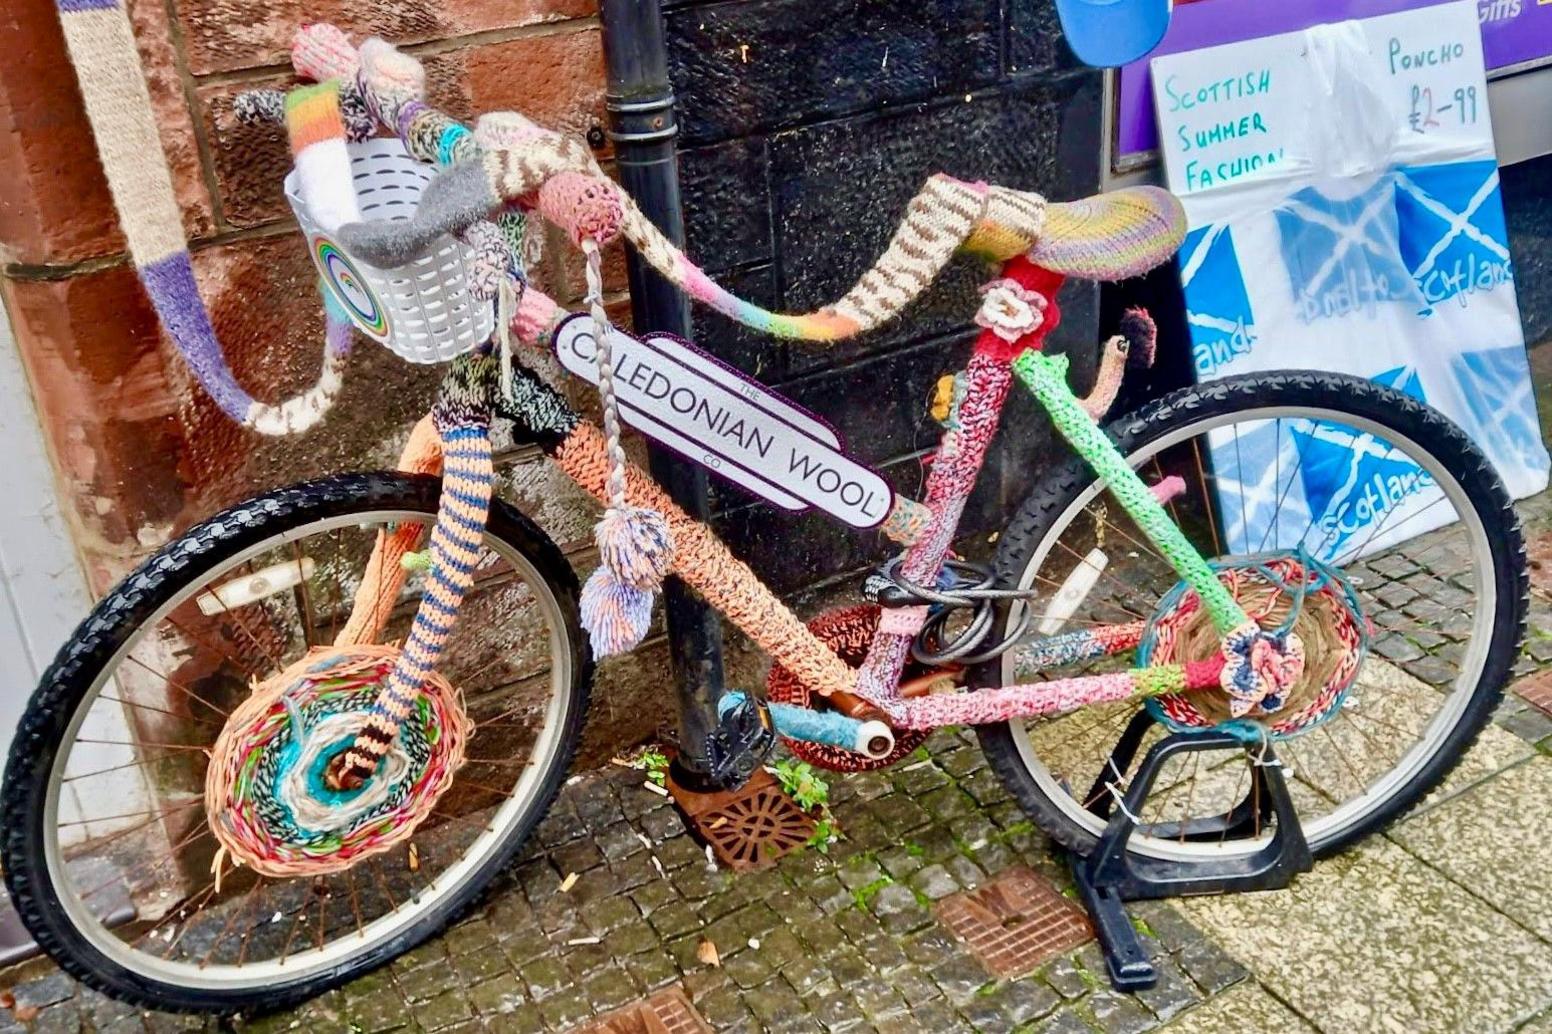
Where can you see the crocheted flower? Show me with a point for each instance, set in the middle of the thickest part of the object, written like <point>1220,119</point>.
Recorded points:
<point>1009,309</point>
<point>1259,668</point>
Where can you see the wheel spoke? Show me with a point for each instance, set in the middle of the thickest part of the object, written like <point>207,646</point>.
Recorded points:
<point>1347,767</point>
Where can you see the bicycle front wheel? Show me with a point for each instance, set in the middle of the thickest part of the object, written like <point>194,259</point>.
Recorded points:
<point>1365,480</point>
<point>107,851</point>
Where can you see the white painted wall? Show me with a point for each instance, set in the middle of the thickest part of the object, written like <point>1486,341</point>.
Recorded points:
<point>43,593</point>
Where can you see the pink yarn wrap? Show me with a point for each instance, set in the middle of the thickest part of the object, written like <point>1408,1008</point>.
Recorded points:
<point>586,207</point>
<point>535,317</point>
<point>321,52</point>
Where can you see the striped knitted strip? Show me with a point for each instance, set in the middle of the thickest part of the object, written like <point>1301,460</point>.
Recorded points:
<point>101,45</point>
<point>317,131</point>
<point>384,574</point>
<point>456,541</point>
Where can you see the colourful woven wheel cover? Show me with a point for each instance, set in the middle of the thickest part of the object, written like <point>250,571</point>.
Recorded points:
<point>1338,648</point>
<point>265,796</point>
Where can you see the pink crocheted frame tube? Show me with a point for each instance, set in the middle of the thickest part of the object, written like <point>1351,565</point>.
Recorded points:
<point>1045,699</point>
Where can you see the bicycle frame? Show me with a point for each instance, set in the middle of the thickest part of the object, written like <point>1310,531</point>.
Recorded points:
<point>704,563</point>
<point>732,588</point>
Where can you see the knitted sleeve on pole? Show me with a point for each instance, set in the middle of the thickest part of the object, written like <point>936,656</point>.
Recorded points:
<point>101,45</point>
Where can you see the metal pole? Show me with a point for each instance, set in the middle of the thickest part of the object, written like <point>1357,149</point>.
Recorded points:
<point>640,101</point>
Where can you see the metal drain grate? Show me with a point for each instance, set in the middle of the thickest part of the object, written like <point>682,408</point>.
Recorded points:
<point>748,828</point>
<point>1536,690</point>
<point>667,1012</point>
<point>1015,922</point>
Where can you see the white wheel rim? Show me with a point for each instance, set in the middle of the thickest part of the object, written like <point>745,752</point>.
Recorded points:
<point>310,961</point>
<point>1332,825</point>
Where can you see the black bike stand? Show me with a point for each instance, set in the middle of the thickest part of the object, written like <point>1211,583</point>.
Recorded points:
<point>1108,877</point>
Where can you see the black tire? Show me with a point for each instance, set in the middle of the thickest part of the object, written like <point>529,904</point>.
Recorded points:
<point>1356,397</point>
<point>131,603</point>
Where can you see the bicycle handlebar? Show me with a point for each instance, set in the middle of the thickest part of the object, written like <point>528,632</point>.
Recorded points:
<point>507,159</point>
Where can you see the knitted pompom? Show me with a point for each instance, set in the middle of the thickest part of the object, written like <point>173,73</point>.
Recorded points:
<point>636,546</point>
<point>1141,334</point>
<point>615,615</point>
<point>586,207</point>
<point>321,51</point>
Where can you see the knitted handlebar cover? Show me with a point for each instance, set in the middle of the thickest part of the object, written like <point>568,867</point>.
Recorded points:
<point>516,160</point>
<point>118,106</point>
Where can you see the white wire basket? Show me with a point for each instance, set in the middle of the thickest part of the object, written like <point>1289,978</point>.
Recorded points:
<point>423,311</point>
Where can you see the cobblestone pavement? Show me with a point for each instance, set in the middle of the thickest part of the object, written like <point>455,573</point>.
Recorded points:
<point>1440,925</point>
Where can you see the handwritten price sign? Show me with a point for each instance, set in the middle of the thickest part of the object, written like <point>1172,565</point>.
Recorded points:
<point>1257,109</point>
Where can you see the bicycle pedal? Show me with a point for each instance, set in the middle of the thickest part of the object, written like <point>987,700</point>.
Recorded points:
<point>739,745</point>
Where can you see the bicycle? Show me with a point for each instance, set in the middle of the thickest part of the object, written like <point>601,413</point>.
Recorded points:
<point>309,801</point>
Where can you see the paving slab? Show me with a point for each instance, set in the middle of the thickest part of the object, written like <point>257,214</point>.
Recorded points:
<point>1376,940</point>
<point>1493,839</point>
<point>1540,1025</point>
<point>1247,1008</point>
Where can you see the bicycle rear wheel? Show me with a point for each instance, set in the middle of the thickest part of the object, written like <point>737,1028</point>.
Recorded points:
<point>1362,478</point>
<point>107,851</point>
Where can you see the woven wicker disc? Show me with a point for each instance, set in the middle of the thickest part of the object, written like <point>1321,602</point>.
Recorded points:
<point>265,796</point>
<point>1334,635</point>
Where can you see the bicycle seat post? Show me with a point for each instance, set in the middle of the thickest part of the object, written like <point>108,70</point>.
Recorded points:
<point>640,102</point>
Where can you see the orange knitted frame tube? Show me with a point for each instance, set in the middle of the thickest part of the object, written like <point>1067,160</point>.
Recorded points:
<point>384,575</point>
<point>705,564</point>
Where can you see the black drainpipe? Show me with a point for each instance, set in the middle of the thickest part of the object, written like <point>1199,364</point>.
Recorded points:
<point>640,101</point>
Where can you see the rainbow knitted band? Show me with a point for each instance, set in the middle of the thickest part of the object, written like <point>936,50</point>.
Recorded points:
<point>118,105</point>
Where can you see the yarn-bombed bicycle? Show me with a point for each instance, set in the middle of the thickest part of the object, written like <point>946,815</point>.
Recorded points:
<point>233,789</point>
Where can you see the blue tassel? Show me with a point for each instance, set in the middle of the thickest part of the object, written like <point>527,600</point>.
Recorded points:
<point>635,544</point>
<point>616,615</point>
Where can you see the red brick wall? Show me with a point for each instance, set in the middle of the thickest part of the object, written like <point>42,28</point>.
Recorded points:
<point>140,452</point>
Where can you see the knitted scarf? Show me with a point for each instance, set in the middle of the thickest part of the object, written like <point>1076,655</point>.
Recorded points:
<point>101,44</point>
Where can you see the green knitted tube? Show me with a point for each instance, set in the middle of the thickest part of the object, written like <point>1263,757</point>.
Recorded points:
<point>1046,377</point>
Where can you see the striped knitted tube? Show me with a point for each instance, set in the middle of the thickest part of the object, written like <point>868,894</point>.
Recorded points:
<point>456,541</point>
<point>384,575</point>
<point>101,44</point>
<point>317,132</point>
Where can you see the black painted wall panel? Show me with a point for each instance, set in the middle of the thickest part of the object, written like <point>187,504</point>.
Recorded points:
<point>806,126</point>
